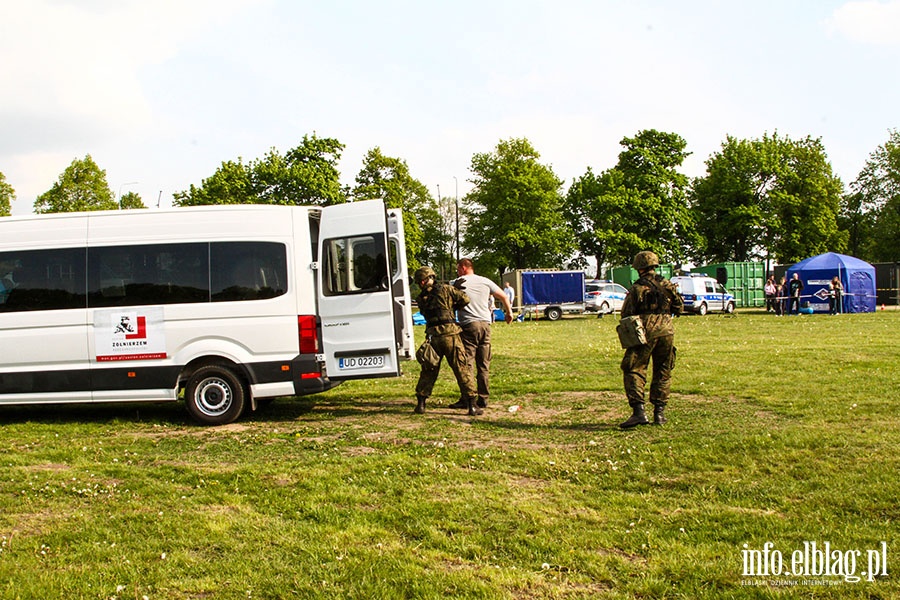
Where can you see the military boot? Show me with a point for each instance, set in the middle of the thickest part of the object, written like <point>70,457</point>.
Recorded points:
<point>659,414</point>
<point>637,417</point>
<point>420,405</point>
<point>473,409</point>
<point>461,403</point>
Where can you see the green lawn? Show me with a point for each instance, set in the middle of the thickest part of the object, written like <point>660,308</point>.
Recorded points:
<point>782,431</point>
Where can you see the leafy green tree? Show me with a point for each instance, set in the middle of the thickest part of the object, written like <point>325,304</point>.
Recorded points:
<point>640,204</point>
<point>439,230</point>
<point>230,184</point>
<point>388,179</point>
<point>732,204</point>
<point>307,174</point>
<point>82,186</point>
<point>7,195</point>
<point>770,198</point>
<point>514,212</point>
<point>131,200</point>
<point>875,204</point>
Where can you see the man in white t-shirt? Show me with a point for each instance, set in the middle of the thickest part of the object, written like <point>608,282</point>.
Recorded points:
<point>475,320</point>
<point>510,293</point>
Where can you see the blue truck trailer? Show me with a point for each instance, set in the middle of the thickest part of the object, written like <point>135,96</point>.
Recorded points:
<point>547,292</point>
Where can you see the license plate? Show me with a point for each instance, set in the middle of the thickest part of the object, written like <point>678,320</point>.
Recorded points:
<point>361,362</point>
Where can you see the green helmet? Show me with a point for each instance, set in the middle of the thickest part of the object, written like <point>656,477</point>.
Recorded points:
<point>423,273</point>
<point>645,260</point>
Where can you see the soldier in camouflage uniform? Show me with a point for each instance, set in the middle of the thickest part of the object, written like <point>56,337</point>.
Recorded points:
<point>655,299</point>
<point>438,303</point>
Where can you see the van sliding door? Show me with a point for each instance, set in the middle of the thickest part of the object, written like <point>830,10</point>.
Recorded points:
<point>357,285</point>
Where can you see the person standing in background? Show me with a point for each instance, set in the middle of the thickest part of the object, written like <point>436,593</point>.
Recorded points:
<point>510,293</point>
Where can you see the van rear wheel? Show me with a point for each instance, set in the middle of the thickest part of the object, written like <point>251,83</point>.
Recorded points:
<point>215,395</point>
<point>553,313</point>
<point>702,310</point>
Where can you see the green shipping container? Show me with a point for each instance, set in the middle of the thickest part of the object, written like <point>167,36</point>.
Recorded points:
<point>746,280</point>
<point>625,276</point>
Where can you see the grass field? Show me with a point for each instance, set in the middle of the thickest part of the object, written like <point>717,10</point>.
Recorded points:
<point>782,431</point>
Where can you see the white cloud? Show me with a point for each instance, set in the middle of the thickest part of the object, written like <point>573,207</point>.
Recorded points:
<point>868,21</point>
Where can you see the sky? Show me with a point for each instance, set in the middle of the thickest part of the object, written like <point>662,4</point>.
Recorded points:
<point>161,93</point>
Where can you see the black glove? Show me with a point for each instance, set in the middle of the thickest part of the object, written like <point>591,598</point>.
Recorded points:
<point>458,284</point>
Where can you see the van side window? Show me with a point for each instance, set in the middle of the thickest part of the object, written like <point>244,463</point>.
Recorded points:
<point>247,270</point>
<point>42,280</point>
<point>148,274</point>
<point>710,287</point>
<point>354,265</point>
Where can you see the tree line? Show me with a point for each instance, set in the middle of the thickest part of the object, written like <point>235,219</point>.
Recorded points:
<point>772,198</point>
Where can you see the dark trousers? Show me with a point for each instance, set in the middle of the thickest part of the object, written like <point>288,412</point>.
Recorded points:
<point>476,337</point>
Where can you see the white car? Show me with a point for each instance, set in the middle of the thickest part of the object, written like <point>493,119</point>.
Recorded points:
<point>603,296</point>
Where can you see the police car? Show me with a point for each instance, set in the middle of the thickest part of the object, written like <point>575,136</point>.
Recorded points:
<point>603,296</point>
<point>702,293</point>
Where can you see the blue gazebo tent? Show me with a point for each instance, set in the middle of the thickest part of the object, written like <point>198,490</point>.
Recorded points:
<point>857,277</point>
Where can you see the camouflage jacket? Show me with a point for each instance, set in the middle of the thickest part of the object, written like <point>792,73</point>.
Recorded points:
<point>438,304</point>
<point>655,299</point>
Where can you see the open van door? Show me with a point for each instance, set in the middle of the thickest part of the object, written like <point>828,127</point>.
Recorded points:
<point>403,323</point>
<point>362,260</point>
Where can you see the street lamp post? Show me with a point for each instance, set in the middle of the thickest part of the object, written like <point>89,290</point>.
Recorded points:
<point>456,196</point>
<point>127,183</point>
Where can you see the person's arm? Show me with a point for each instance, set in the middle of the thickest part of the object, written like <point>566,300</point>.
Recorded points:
<point>507,308</point>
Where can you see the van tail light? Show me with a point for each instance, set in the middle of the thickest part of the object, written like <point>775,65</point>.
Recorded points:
<point>309,339</point>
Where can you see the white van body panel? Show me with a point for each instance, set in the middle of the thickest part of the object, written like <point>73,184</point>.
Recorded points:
<point>63,354</point>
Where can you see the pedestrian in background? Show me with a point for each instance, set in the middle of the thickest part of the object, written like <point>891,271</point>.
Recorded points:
<point>836,296</point>
<point>770,290</point>
<point>795,290</point>
<point>510,293</point>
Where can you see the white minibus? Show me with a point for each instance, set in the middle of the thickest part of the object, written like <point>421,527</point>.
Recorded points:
<point>220,306</point>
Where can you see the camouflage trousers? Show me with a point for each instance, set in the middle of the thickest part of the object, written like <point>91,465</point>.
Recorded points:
<point>449,347</point>
<point>661,351</point>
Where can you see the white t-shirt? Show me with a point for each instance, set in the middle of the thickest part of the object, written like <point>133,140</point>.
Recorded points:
<point>481,303</point>
<point>510,294</point>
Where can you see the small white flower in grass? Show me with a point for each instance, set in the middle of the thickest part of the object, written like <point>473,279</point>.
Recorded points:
<point>681,529</point>
<point>545,566</point>
<point>120,589</point>
<point>163,556</point>
<point>514,408</point>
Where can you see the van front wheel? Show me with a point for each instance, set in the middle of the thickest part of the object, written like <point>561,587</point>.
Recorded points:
<point>553,313</point>
<point>214,395</point>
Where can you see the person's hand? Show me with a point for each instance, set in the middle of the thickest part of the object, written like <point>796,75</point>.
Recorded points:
<point>458,284</point>
<point>509,317</point>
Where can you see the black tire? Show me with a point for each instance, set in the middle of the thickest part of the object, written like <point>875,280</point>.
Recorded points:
<point>702,310</point>
<point>604,308</point>
<point>553,313</point>
<point>215,395</point>
<point>729,308</point>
